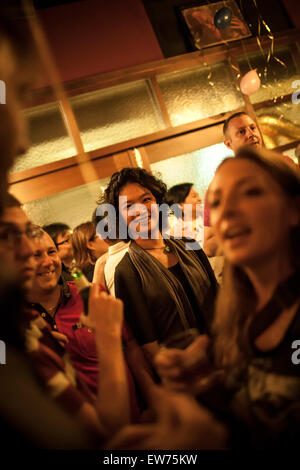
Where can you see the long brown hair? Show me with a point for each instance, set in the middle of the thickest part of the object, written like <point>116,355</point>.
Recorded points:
<point>82,234</point>
<point>237,299</point>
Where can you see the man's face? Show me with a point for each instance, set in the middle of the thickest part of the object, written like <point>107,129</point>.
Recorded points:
<point>13,131</point>
<point>16,249</point>
<point>65,248</point>
<point>242,130</point>
<point>48,270</point>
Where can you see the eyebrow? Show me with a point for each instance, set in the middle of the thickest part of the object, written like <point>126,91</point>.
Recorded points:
<point>237,185</point>
<point>130,201</point>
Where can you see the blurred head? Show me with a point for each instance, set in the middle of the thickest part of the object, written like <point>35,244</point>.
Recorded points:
<point>17,57</point>
<point>254,207</point>
<point>87,245</point>
<point>16,241</point>
<point>135,195</point>
<point>184,194</point>
<point>48,265</point>
<point>204,16</point>
<point>240,130</point>
<point>62,237</point>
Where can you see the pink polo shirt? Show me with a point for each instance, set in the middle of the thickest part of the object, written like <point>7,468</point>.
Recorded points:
<point>82,347</point>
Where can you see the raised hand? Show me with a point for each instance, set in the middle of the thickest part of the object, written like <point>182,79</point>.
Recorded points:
<point>188,370</point>
<point>105,312</point>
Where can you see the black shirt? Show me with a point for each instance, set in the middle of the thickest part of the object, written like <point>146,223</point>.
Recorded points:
<point>149,318</point>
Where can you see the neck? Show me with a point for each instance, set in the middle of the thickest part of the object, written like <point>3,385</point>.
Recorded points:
<point>47,299</point>
<point>68,263</point>
<point>151,243</point>
<point>266,276</point>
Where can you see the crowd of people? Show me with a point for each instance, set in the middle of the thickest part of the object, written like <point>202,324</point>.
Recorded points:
<point>102,378</point>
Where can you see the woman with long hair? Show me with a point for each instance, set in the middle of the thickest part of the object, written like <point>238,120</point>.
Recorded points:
<point>190,221</point>
<point>254,203</point>
<point>87,247</point>
<point>166,286</point>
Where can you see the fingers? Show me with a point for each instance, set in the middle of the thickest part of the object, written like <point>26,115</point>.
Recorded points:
<point>175,362</point>
<point>196,353</point>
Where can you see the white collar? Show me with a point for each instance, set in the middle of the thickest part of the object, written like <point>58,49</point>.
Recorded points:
<point>120,246</point>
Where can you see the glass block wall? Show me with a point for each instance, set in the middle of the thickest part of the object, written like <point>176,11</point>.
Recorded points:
<point>48,137</point>
<point>71,207</point>
<point>276,79</point>
<point>197,167</point>
<point>116,114</point>
<point>200,92</point>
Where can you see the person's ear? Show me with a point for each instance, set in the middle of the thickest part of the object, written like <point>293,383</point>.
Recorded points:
<point>227,142</point>
<point>90,245</point>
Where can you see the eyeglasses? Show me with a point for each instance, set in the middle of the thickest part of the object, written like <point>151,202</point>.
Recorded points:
<point>11,236</point>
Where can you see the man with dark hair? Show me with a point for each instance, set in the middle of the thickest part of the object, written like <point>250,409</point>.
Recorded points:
<point>61,235</point>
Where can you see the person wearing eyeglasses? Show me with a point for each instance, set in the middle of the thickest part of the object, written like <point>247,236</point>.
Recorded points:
<point>62,237</point>
<point>17,230</point>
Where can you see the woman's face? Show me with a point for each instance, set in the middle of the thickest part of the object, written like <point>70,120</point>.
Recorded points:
<point>250,214</point>
<point>97,245</point>
<point>139,209</point>
<point>193,199</point>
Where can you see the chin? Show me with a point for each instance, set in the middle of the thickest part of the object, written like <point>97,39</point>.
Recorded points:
<point>238,259</point>
<point>48,287</point>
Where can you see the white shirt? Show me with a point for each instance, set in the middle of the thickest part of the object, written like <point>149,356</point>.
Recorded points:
<point>115,255</point>
<point>190,229</point>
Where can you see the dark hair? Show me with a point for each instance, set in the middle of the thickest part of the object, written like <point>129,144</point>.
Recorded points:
<point>132,175</point>
<point>226,123</point>
<point>178,193</point>
<point>56,229</point>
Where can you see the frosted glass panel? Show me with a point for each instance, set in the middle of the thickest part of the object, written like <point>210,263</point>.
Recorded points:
<point>280,124</point>
<point>116,114</point>
<point>291,153</point>
<point>72,207</point>
<point>49,139</point>
<point>200,92</point>
<point>197,167</point>
<point>278,79</point>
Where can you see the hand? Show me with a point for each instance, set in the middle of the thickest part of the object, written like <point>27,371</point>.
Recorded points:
<point>60,337</point>
<point>105,312</point>
<point>181,424</point>
<point>237,27</point>
<point>188,370</point>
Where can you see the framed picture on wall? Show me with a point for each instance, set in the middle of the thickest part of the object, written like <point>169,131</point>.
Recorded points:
<point>199,21</point>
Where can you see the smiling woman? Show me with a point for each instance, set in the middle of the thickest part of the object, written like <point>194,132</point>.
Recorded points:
<point>255,211</point>
<point>165,287</point>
